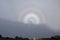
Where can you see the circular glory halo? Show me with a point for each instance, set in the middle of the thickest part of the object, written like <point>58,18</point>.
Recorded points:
<point>35,11</point>
<point>31,18</point>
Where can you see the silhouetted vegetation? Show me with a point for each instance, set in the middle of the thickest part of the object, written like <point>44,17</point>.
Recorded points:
<point>16,38</point>
<point>0,36</point>
<point>56,37</point>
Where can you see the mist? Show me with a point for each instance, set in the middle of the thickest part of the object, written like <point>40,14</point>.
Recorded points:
<point>11,9</point>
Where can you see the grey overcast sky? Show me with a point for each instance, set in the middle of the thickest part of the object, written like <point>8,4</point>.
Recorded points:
<point>10,10</point>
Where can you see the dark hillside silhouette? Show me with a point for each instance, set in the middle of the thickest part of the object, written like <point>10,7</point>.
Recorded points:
<point>25,30</point>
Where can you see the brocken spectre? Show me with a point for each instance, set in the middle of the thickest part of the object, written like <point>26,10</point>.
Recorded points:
<point>31,16</point>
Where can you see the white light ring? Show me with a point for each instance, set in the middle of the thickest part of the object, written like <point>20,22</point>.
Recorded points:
<point>37,11</point>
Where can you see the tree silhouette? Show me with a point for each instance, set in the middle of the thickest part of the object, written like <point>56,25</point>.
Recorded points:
<point>25,39</point>
<point>16,37</point>
<point>55,37</point>
<point>21,38</point>
<point>0,36</point>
